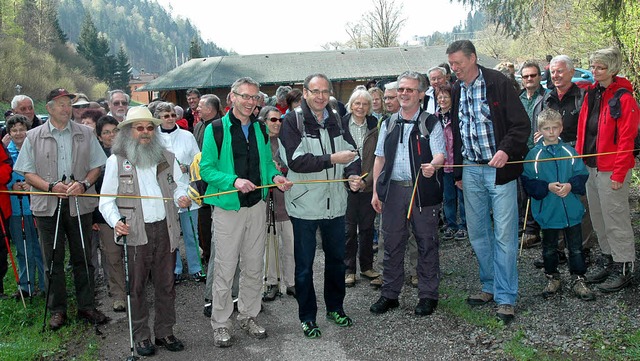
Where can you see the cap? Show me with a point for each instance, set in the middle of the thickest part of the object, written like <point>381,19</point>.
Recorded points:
<point>57,93</point>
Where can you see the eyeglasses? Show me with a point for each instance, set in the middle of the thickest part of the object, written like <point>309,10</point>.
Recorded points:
<point>529,76</point>
<point>114,132</point>
<point>274,119</point>
<point>172,115</point>
<point>598,68</point>
<point>317,92</point>
<point>82,106</point>
<point>407,90</point>
<point>389,98</point>
<point>120,103</point>
<point>142,128</point>
<point>248,97</point>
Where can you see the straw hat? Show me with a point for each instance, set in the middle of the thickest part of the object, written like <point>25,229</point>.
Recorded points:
<point>139,114</point>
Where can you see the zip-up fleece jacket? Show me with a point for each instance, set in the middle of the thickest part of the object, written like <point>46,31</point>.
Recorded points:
<point>511,124</point>
<point>367,153</point>
<point>308,157</point>
<point>549,210</point>
<point>219,171</point>
<point>613,135</point>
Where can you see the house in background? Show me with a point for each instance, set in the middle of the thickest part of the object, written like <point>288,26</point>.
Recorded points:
<point>139,79</point>
<point>346,68</point>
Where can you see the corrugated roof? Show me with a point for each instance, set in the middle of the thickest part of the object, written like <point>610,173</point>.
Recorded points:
<point>352,64</point>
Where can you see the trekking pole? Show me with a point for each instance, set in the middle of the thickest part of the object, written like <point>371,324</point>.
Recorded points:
<point>53,253</point>
<point>26,254</point>
<point>524,225</point>
<point>13,262</point>
<point>274,237</point>
<point>128,289</point>
<point>84,251</point>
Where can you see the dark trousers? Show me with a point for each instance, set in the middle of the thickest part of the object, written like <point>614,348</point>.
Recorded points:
<point>573,240</point>
<point>359,218</point>
<point>4,266</point>
<point>204,230</point>
<point>69,230</point>
<point>395,229</point>
<point>304,239</point>
<point>153,259</point>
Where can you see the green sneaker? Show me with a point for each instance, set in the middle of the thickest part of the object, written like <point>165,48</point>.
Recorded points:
<point>339,318</point>
<point>311,329</point>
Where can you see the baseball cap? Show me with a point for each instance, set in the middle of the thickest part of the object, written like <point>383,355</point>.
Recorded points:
<point>57,93</point>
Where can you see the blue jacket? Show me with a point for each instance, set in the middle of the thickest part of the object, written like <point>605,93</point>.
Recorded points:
<point>549,210</point>
<point>15,177</point>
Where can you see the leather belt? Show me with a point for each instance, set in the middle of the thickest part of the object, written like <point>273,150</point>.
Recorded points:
<point>404,183</point>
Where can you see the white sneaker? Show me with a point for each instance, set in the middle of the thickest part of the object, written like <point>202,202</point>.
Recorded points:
<point>252,328</point>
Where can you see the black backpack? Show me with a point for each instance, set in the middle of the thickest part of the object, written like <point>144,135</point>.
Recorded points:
<point>615,112</point>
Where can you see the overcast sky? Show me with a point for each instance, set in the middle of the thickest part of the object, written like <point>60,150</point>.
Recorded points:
<point>262,26</point>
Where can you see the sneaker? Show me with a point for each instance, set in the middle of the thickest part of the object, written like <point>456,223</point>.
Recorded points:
<point>448,234</point>
<point>530,240</point>
<point>253,329</point>
<point>620,277</point>
<point>271,293</point>
<point>461,235</point>
<point>581,290</point>
<point>479,299</point>
<point>370,274</point>
<point>340,318</point>
<point>505,313</point>
<point>311,329</point>
<point>376,282</point>
<point>199,277</point>
<point>145,348</point>
<point>119,306</point>
<point>553,285</point>
<point>171,343</point>
<point>291,291</point>
<point>221,337</point>
<point>350,280</point>
<point>207,309</point>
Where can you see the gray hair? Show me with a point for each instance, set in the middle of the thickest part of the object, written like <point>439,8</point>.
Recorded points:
<point>442,70</point>
<point>610,57</point>
<point>282,91</point>
<point>391,86</point>
<point>117,91</point>
<point>244,80</point>
<point>360,93</point>
<point>308,79</point>
<point>17,99</point>
<point>163,107</point>
<point>212,100</point>
<point>265,111</point>
<point>179,111</point>
<point>562,59</point>
<point>422,81</point>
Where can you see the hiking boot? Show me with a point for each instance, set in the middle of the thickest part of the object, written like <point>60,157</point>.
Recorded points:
<point>479,299</point>
<point>383,305</point>
<point>119,306</point>
<point>530,240</point>
<point>461,235</point>
<point>57,320</point>
<point>425,307</point>
<point>581,290</point>
<point>340,318</point>
<point>553,286</point>
<point>448,234</point>
<point>199,277</point>
<point>377,282</point>
<point>350,280</point>
<point>171,343</point>
<point>370,274</point>
<point>93,316</point>
<point>178,278</point>
<point>253,329</point>
<point>505,313</point>
<point>271,293</point>
<point>207,308</point>
<point>601,275</point>
<point>619,278</point>
<point>145,348</point>
<point>221,337</point>
<point>291,291</point>
<point>311,329</point>
<point>538,263</point>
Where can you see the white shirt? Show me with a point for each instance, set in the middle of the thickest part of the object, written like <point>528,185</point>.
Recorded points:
<point>152,209</point>
<point>183,144</point>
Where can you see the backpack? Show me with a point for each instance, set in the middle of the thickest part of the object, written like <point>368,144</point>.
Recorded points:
<point>300,121</point>
<point>197,187</point>
<point>616,112</point>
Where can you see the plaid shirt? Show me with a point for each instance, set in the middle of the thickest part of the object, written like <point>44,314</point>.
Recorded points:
<point>476,128</point>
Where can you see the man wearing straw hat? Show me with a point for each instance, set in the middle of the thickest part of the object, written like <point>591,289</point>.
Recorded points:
<point>52,152</point>
<point>140,166</point>
<point>236,159</point>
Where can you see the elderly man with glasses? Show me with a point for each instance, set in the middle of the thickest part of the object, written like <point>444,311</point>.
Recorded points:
<point>118,102</point>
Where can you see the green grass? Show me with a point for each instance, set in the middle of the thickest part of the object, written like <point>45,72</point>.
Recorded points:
<point>456,304</point>
<point>619,344</point>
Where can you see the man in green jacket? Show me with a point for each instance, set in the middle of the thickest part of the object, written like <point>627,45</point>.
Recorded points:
<point>236,155</point>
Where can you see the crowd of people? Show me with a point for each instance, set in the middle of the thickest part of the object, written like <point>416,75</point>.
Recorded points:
<point>457,154</point>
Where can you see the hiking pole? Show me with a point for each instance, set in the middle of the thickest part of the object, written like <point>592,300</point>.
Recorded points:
<point>524,225</point>
<point>13,262</point>
<point>274,236</point>
<point>128,289</point>
<point>53,253</point>
<point>84,251</point>
<point>24,239</point>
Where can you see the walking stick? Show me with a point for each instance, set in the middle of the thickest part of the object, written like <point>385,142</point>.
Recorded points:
<point>128,289</point>
<point>274,237</point>
<point>53,253</point>
<point>84,252</point>
<point>524,225</point>
<point>24,238</point>
<point>13,262</point>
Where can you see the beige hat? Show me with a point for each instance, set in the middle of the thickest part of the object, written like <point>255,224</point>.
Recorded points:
<point>139,114</point>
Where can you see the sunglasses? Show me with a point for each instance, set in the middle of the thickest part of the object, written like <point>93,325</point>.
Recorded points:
<point>274,119</point>
<point>167,116</point>
<point>120,104</point>
<point>82,106</point>
<point>529,76</point>
<point>142,128</point>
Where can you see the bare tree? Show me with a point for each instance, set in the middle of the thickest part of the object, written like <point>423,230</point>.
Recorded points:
<point>384,23</point>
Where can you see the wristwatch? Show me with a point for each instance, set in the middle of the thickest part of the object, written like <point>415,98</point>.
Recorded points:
<point>86,184</point>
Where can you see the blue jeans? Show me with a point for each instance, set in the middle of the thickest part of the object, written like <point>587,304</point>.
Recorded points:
<point>33,254</point>
<point>453,200</point>
<point>333,243</point>
<point>573,240</point>
<point>495,243</point>
<point>190,237</point>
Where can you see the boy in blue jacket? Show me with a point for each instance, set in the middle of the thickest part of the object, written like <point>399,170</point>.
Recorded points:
<point>555,187</point>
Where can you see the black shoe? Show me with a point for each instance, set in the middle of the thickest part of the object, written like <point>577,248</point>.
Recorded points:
<point>291,291</point>
<point>207,308</point>
<point>145,348</point>
<point>199,277</point>
<point>539,263</point>
<point>426,306</point>
<point>93,316</point>
<point>178,279</point>
<point>383,305</point>
<point>171,343</point>
<point>271,293</point>
<point>562,257</point>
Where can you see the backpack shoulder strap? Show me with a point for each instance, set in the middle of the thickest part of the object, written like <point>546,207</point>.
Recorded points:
<point>426,122</point>
<point>218,134</point>
<point>391,122</point>
<point>300,120</point>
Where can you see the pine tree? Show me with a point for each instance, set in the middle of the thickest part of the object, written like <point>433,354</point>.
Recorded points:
<point>122,71</point>
<point>194,49</point>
